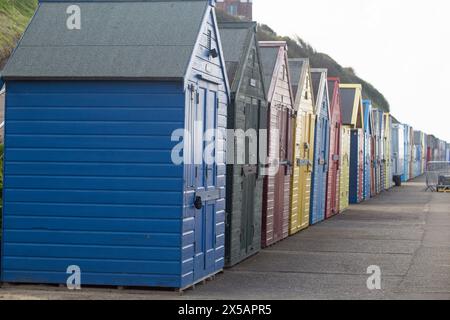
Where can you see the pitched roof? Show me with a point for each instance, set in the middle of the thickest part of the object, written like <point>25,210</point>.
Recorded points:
<point>118,39</point>
<point>300,76</point>
<point>269,57</point>
<point>236,40</point>
<point>394,120</point>
<point>347,103</point>
<point>331,87</point>
<point>368,119</point>
<point>417,137</point>
<point>351,105</point>
<point>320,85</point>
<point>297,70</point>
<point>376,121</point>
<point>316,76</point>
<point>333,82</point>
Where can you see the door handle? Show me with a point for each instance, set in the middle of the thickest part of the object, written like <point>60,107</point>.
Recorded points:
<point>208,168</point>
<point>198,203</point>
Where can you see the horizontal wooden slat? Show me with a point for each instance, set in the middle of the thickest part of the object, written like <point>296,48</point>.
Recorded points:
<point>89,142</point>
<point>86,155</point>
<point>93,197</point>
<point>94,183</point>
<point>93,169</point>
<point>93,238</point>
<point>92,210</point>
<point>91,224</point>
<point>92,252</point>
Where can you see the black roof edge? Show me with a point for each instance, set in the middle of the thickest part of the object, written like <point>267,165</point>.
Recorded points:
<point>238,24</point>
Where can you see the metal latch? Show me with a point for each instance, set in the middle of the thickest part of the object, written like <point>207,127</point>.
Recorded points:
<point>204,196</point>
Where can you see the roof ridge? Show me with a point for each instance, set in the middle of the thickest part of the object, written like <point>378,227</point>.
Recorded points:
<point>237,24</point>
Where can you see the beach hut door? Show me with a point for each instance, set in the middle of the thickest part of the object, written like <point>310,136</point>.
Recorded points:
<point>250,176</point>
<point>205,170</point>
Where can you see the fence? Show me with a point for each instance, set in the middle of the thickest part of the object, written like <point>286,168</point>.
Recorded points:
<point>438,176</point>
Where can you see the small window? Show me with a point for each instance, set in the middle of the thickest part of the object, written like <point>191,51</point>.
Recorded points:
<point>254,58</point>
<point>232,10</point>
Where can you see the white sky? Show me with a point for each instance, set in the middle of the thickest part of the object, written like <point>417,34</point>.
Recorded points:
<point>402,47</point>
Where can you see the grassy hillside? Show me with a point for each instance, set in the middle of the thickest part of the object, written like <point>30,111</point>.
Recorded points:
<point>14,17</point>
<point>298,48</point>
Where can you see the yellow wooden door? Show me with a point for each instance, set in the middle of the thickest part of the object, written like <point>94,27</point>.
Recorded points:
<point>301,179</point>
<point>296,187</point>
<point>308,149</point>
<point>345,169</point>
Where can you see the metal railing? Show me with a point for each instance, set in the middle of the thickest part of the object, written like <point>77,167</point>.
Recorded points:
<point>438,176</point>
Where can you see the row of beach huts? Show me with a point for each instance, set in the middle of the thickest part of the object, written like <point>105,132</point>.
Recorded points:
<point>89,176</point>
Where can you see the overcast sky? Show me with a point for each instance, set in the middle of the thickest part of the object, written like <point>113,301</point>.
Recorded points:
<point>401,46</point>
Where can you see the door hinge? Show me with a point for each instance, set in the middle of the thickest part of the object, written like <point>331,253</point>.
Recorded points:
<point>191,92</point>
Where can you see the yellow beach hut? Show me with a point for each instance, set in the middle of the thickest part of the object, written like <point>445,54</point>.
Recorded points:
<point>352,125</point>
<point>303,156</point>
<point>387,151</point>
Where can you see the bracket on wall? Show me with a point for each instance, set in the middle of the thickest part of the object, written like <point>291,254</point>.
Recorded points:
<point>208,195</point>
<point>207,79</point>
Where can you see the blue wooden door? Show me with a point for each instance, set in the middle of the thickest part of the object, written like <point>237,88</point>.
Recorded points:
<point>205,179</point>
<point>324,167</point>
<point>318,194</point>
<point>367,166</point>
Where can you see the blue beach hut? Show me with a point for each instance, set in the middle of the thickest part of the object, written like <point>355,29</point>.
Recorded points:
<point>90,175</point>
<point>368,155</point>
<point>321,145</point>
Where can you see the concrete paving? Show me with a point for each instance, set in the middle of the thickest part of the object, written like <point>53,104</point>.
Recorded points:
<point>405,231</point>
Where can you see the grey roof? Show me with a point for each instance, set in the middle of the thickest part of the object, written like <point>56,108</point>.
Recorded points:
<point>332,83</point>
<point>330,88</point>
<point>296,70</point>
<point>126,39</point>
<point>320,85</point>
<point>269,57</point>
<point>232,70</point>
<point>347,104</point>
<point>236,37</point>
<point>315,77</point>
<point>417,137</point>
<point>394,120</point>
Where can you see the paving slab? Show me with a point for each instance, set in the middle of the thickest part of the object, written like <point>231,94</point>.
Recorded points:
<point>349,246</point>
<point>326,263</point>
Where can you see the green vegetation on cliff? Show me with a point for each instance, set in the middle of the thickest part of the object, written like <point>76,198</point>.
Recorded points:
<point>14,17</point>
